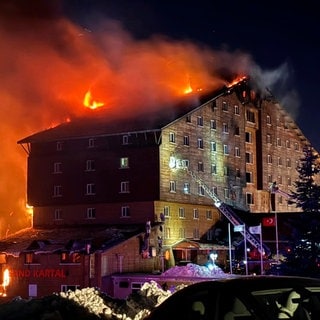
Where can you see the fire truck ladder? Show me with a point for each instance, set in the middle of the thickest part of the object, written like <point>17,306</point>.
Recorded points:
<point>230,214</point>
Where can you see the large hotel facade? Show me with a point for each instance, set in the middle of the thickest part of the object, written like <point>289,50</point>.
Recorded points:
<point>144,194</point>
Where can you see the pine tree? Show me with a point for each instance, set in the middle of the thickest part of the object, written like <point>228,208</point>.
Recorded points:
<point>307,194</point>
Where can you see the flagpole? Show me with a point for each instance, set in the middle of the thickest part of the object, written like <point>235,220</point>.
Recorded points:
<point>261,250</point>
<point>230,252</point>
<point>245,248</point>
<point>277,239</point>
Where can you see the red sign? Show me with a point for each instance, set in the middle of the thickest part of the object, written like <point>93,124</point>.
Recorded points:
<point>269,222</point>
<point>38,273</point>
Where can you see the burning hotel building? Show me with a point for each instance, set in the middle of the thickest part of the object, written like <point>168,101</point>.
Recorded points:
<point>144,193</point>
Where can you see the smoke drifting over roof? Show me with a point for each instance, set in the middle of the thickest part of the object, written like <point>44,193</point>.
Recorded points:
<point>48,63</point>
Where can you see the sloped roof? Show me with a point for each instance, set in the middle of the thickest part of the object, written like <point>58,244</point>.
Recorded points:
<point>66,239</point>
<point>102,122</point>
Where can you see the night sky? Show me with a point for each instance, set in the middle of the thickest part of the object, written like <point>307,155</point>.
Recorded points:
<point>280,36</point>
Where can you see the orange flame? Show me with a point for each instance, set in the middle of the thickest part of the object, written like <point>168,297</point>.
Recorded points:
<point>5,281</point>
<point>90,103</point>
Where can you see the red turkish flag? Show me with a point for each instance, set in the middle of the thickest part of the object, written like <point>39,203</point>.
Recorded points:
<point>269,222</point>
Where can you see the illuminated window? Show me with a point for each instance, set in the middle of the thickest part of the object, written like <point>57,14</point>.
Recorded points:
<point>236,110</point>
<point>213,146</point>
<point>195,213</point>
<point>248,137</point>
<point>90,189</point>
<point>29,258</point>
<point>172,186</point>
<point>59,146</point>
<point>208,214</point>
<point>124,162</point>
<point>249,198</point>
<point>91,143</point>
<point>125,212</point>
<point>57,191</point>
<point>172,137</point>
<point>186,188</point>
<point>124,187</point>
<point>57,214</point>
<point>166,211</point>
<point>91,213</point>
<point>225,128</point>
<point>90,165</point>
<point>213,124</point>
<point>200,143</point>
<point>249,177</point>
<point>182,214</point>
<point>200,121</point>
<point>57,167</point>
<point>186,141</point>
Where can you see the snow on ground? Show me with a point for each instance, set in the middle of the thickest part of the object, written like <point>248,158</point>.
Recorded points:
<point>90,303</point>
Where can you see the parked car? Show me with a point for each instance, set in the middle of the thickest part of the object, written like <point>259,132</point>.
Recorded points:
<point>264,297</point>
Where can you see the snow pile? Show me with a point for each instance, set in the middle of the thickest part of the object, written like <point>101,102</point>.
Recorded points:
<point>194,270</point>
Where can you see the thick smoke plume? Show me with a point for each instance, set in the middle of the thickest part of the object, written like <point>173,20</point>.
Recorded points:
<point>47,64</point>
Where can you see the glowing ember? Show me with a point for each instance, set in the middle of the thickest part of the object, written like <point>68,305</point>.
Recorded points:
<point>5,282</point>
<point>235,81</point>
<point>90,103</point>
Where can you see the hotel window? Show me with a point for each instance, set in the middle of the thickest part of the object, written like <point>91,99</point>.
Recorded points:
<point>124,162</point>
<point>186,188</point>
<point>188,118</point>
<point>208,214</point>
<point>249,198</point>
<point>167,233</point>
<point>200,166</point>
<point>249,177</point>
<point>236,109</point>
<point>182,214</point>
<point>90,189</point>
<point>57,167</point>
<point>125,187</point>
<point>213,124</point>
<point>226,192</point>
<point>213,168</point>
<point>279,180</point>
<point>269,141</point>
<point>237,131</point>
<point>182,233</point>
<point>125,139</point>
<point>225,128</point>
<point>185,163</point>
<point>215,190</point>
<point>269,159</point>
<point>278,142</point>
<point>248,137</point>
<point>225,149</point>
<point>249,157</point>
<point>57,214</point>
<point>90,165</point>
<point>279,161</point>
<point>67,257</point>
<point>237,152</point>
<point>166,211</point>
<point>224,106</point>
<point>288,144</point>
<point>125,212</point>
<point>195,213</point>
<point>59,146</point>
<point>91,143</point>
<point>186,141</point>
<point>200,143</point>
<point>200,121</point>
<point>296,146</point>
<point>289,181</point>
<point>270,180</point>
<point>213,146</point>
<point>250,116</point>
<point>172,137</point>
<point>57,191</point>
<point>91,213</point>
<point>226,171</point>
<point>238,174</point>
<point>201,190</point>
<point>268,119</point>
<point>196,233</point>
<point>172,186</point>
